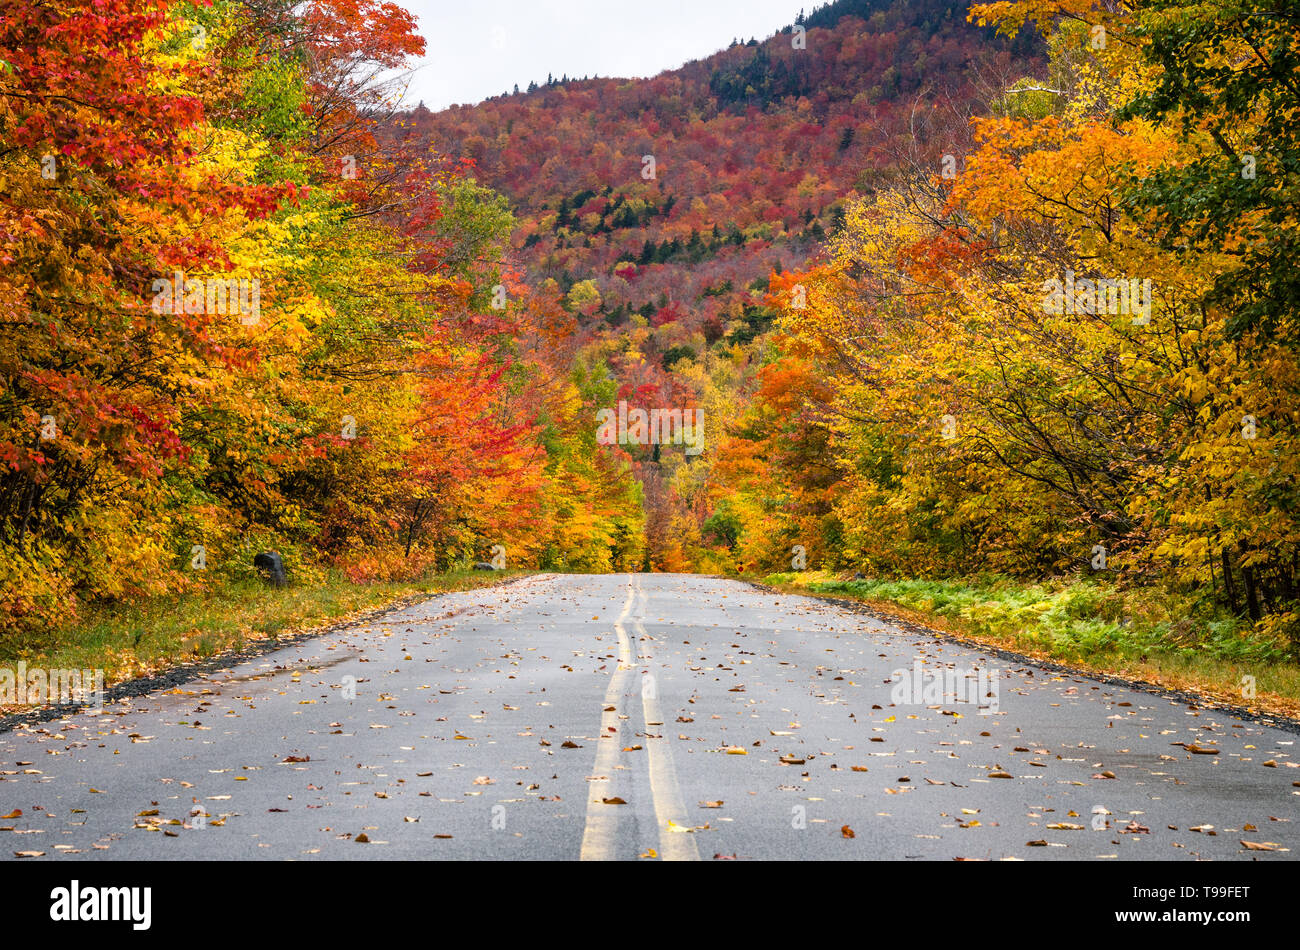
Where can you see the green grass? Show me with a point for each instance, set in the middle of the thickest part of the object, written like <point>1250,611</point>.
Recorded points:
<point>1143,634</point>
<point>135,639</point>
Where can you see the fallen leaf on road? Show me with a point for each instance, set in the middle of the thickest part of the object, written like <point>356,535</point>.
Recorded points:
<point>683,829</point>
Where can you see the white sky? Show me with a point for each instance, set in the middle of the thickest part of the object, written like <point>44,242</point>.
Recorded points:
<point>480,48</point>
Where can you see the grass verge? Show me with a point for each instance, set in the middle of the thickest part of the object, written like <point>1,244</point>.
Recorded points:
<point>1135,635</point>
<point>127,641</point>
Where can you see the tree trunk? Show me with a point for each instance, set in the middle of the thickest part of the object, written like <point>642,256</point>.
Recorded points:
<point>1228,586</point>
<point>1252,593</point>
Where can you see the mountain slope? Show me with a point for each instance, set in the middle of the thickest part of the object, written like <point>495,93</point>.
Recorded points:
<point>655,210</point>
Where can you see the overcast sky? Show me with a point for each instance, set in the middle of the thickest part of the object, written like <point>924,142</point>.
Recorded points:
<point>481,48</point>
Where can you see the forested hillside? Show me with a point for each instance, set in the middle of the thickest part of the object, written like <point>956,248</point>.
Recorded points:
<point>950,304</point>
<point>1001,291</point>
<point>654,211</point>
<point>1074,357</point>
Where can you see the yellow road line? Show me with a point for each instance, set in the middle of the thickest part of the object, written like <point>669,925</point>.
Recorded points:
<point>602,820</point>
<point>669,808</point>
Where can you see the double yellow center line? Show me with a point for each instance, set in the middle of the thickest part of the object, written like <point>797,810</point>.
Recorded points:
<point>600,834</point>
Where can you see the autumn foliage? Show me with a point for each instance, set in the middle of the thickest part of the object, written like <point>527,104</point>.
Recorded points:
<point>349,398</point>
<point>934,410</point>
<point>1006,290</point>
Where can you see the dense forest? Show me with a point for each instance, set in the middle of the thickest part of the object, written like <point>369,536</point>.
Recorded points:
<point>656,211</point>
<point>236,318</point>
<point>1006,288</point>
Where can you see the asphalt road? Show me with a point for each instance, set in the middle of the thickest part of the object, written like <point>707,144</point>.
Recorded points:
<point>643,717</point>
